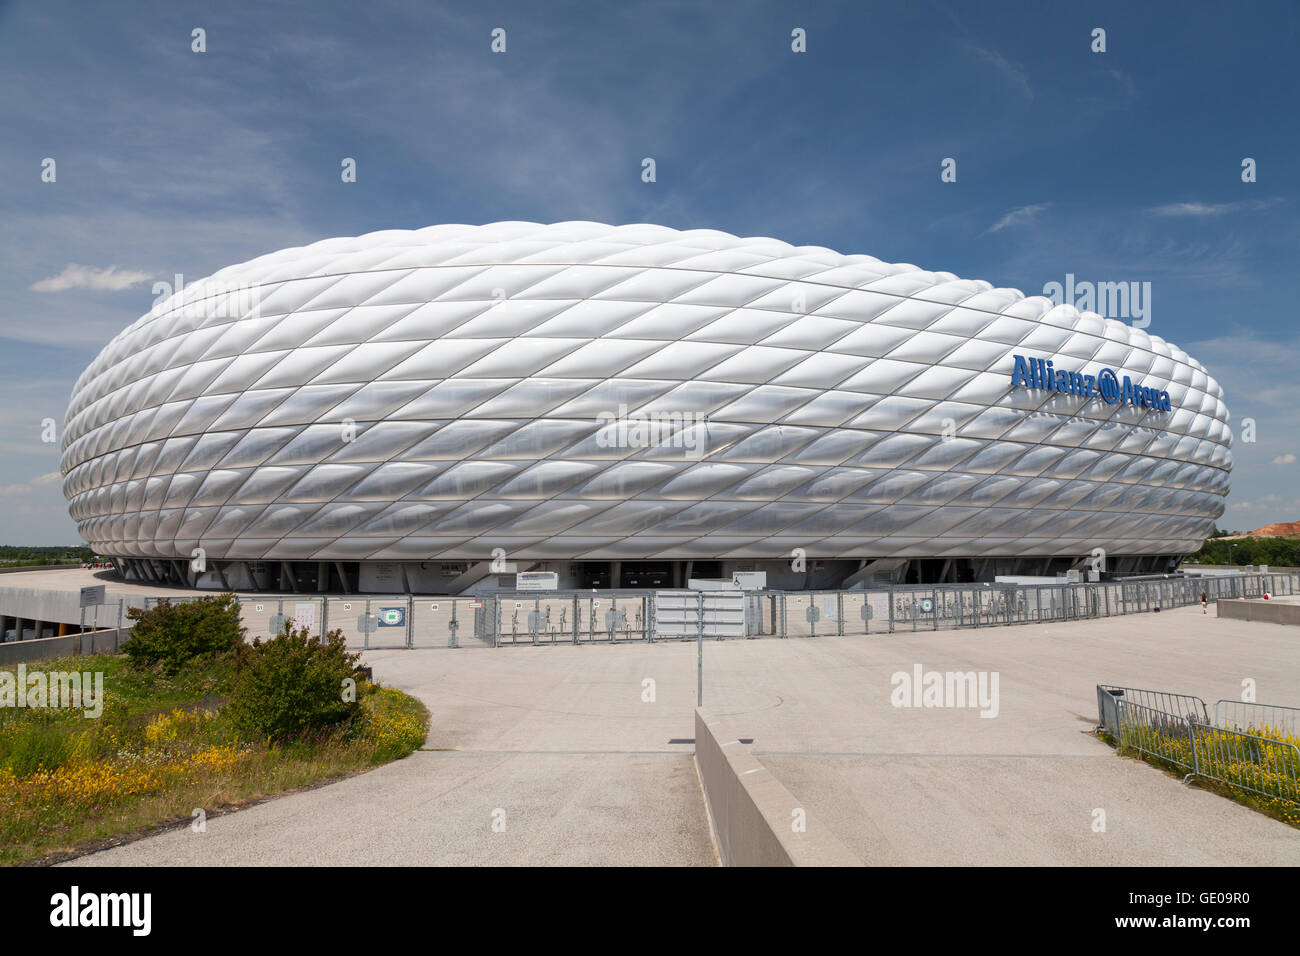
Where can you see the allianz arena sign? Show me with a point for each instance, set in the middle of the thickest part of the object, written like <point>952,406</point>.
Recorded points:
<point>1037,373</point>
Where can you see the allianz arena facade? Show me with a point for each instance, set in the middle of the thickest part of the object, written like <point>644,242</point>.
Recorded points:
<point>630,406</point>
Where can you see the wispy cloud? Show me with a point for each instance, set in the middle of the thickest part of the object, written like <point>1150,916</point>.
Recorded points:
<point>74,276</point>
<point>1017,216</point>
<point>1277,504</point>
<point>1287,459</point>
<point>1013,72</point>
<point>1124,80</point>
<point>1255,365</point>
<point>34,484</point>
<point>1212,209</point>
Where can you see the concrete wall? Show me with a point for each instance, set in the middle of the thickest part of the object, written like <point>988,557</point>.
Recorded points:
<point>751,811</point>
<point>50,604</point>
<point>97,642</point>
<point>38,567</point>
<point>1272,612</point>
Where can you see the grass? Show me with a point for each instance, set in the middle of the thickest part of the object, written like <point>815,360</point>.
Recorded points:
<point>160,750</point>
<point>1276,771</point>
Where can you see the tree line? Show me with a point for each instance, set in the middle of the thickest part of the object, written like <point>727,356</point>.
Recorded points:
<point>1275,552</point>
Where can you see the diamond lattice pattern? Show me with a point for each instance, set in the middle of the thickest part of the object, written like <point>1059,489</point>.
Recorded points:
<point>443,392</point>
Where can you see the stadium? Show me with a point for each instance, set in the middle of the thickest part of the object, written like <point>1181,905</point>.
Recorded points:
<point>431,411</point>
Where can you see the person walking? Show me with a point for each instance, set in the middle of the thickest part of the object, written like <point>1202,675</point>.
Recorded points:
<point>1205,602</point>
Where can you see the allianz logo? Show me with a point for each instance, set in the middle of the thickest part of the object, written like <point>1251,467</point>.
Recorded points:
<point>1106,384</point>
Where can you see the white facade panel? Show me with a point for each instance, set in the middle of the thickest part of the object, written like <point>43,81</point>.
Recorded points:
<point>580,390</point>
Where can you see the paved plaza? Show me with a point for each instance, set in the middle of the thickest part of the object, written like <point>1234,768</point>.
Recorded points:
<point>583,750</point>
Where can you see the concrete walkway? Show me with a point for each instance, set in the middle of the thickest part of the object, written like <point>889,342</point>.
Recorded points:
<point>945,786</point>
<point>554,742</point>
<point>588,771</point>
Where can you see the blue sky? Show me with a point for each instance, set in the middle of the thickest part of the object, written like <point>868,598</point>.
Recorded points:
<point>1115,166</point>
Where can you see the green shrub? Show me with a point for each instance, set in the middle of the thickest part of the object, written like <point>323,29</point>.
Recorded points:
<point>171,635</point>
<point>292,686</point>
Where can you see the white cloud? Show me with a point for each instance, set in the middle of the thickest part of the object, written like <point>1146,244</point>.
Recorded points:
<point>1287,459</point>
<point>1017,216</point>
<point>1124,80</point>
<point>1254,369</point>
<point>35,484</point>
<point>1278,508</point>
<point>1012,71</point>
<point>74,276</point>
<point>1211,209</point>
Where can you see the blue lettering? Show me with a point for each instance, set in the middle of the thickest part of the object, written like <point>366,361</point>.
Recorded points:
<point>1020,374</point>
<point>1039,373</point>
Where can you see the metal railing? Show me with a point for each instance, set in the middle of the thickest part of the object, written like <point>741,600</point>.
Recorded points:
<point>1263,765</point>
<point>1257,752</point>
<point>1155,732</point>
<point>1258,718</point>
<point>427,621</point>
<point>944,607</point>
<point>576,617</point>
<point>497,618</point>
<point>1180,705</point>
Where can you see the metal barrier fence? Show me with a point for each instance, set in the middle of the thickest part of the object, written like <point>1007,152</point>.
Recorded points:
<point>1260,718</point>
<point>1180,705</point>
<point>495,619</point>
<point>1262,765</point>
<point>1158,733</point>
<point>412,621</point>
<point>575,617</point>
<point>944,607</point>
<point>1250,755</point>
